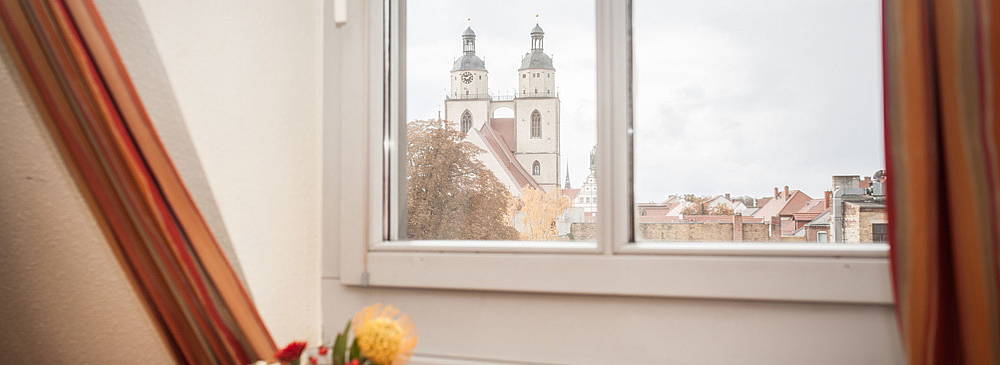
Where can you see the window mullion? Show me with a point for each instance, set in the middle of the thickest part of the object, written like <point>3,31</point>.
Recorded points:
<point>614,141</point>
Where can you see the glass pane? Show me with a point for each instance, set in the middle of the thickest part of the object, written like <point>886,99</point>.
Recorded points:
<point>758,121</point>
<point>500,120</point>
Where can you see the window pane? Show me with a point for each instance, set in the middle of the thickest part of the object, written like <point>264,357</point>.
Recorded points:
<point>500,120</point>
<point>758,121</point>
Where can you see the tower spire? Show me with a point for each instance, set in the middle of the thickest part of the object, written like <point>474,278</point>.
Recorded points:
<point>567,175</point>
<point>468,38</point>
<point>537,36</point>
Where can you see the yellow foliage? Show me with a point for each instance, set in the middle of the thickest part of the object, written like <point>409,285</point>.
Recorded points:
<point>538,212</point>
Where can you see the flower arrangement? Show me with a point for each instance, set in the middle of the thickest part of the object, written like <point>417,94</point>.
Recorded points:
<point>382,336</point>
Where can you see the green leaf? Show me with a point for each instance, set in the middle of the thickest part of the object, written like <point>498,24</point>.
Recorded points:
<point>355,349</point>
<point>340,345</point>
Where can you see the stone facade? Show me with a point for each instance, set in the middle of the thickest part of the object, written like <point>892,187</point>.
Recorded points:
<point>859,219</point>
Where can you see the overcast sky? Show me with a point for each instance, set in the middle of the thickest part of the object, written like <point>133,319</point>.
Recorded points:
<point>733,96</point>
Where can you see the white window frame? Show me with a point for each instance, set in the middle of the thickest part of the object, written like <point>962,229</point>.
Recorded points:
<point>613,265</point>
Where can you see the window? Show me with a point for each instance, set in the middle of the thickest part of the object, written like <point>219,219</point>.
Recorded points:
<point>599,240</point>
<point>880,232</point>
<point>469,182</point>
<point>466,121</point>
<point>735,134</point>
<point>536,124</point>
<point>821,237</point>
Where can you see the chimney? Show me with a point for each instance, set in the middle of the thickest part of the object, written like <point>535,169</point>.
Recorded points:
<point>776,194</point>
<point>727,197</point>
<point>737,227</point>
<point>786,192</point>
<point>827,195</point>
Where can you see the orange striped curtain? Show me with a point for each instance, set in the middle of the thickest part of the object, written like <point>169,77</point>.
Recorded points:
<point>70,66</point>
<point>942,74</point>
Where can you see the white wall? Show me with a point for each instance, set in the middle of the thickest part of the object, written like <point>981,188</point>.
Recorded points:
<point>66,300</point>
<point>234,88</point>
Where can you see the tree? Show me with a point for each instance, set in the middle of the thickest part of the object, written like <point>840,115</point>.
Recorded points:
<point>538,212</point>
<point>698,205</point>
<point>451,194</point>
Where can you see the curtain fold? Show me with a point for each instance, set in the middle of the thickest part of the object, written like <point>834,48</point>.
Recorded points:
<point>69,65</point>
<point>942,73</point>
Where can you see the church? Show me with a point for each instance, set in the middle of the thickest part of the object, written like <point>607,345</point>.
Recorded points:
<point>523,151</point>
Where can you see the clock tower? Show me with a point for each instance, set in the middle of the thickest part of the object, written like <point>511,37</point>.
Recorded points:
<point>469,98</point>
<point>469,78</point>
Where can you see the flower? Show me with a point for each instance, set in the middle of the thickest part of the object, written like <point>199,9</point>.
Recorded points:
<point>384,336</point>
<point>354,362</point>
<point>323,350</point>
<point>291,352</point>
<point>313,360</point>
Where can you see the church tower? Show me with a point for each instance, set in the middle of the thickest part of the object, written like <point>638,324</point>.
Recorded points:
<point>468,100</point>
<point>537,114</point>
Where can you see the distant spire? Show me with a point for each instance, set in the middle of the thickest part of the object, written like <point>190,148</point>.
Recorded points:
<point>567,175</point>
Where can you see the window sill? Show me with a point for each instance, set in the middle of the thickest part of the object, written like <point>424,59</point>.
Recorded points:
<point>842,279</point>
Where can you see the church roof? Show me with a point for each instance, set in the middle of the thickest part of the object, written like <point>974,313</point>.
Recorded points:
<point>536,59</point>
<point>499,149</point>
<point>469,61</point>
<point>537,29</point>
<point>468,32</point>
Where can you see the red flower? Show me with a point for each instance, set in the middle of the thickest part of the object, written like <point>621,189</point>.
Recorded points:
<point>291,352</point>
<point>313,360</point>
<point>323,350</point>
<point>354,362</point>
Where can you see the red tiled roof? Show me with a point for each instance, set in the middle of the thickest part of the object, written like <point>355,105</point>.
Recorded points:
<point>810,211</point>
<point>507,129</point>
<point>783,205</point>
<point>503,154</point>
<point>695,219</point>
<point>570,193</point>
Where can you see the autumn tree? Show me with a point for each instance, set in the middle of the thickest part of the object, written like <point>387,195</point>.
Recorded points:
<point>698,205</point>
<point>451,194</point>
<point>538,211</point>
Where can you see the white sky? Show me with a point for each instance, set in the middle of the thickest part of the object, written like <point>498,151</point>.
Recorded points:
<point>733,96</point>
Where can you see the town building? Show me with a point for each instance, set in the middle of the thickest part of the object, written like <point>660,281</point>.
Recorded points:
<point>859,213</point>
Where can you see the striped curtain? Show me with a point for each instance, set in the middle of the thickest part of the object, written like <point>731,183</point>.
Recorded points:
<point>69,65</point>
<point>942,115</point>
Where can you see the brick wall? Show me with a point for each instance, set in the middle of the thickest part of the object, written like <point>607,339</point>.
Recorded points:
<point>869,216</point>
<point>858,221</point>
<point>852,223</point>
<point>682,232</point>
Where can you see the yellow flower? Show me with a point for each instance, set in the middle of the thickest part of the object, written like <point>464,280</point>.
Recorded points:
<point>384,336</point>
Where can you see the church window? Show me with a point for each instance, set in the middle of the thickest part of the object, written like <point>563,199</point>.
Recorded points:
<point>536,168</point>
<point>466,121</point>
<point>524,75</point>
<point>536,124</point>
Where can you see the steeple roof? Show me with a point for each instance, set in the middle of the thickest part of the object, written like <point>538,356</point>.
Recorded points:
<point>469,61</point>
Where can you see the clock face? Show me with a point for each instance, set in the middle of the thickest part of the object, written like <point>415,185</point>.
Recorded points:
<point>467,77</point>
